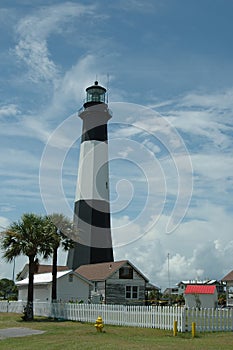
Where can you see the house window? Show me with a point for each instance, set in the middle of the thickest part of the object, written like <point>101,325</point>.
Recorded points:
<point>70,278</point>
<point>126,272</point>
<point>131,292</point>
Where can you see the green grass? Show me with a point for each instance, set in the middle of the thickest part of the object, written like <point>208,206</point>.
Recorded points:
<point>75,335</point>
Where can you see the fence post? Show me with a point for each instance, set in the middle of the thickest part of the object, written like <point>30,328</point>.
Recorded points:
<point>193,329</point>
<point>175,328</point>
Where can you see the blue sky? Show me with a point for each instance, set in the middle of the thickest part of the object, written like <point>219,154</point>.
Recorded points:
<point>168,67</point>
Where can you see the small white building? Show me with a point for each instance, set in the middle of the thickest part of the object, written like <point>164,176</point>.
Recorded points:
<point>183,284</point>
<point>71,286</point>
<point>201,296</point>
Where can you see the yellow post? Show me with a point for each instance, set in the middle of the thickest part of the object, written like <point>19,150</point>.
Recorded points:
<point>175,328</point>
<point>193,329</point>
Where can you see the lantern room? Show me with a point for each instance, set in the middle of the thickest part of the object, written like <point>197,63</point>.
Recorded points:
<point>95,95</point>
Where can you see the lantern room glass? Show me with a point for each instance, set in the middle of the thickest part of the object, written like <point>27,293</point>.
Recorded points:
<point>95,94</point>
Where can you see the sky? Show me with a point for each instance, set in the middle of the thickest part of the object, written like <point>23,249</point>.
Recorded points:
<point>168,69</point>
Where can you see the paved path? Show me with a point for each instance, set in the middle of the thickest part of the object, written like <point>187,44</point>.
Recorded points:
<point>18,332</point>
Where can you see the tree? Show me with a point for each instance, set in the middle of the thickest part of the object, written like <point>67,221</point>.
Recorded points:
<point>222,299</point>
<point>26,237</point>
<point>58,229</point>
<point>8,289</point>
<point>154,296</point>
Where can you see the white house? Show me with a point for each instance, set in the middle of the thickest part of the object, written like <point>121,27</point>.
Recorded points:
<point>201,296</point>
<point>228,280</point>
<point>70,286</point>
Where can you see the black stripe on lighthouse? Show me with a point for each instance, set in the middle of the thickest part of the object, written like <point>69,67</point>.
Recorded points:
<point>99,133</point>
<point>87,211</point>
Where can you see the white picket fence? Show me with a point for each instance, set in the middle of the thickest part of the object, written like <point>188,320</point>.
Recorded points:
<point>210,320</point>
<point>136,316</point>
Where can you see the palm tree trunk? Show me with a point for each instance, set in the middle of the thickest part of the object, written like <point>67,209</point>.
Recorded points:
<point>54,275</point>
<point>29,307</point>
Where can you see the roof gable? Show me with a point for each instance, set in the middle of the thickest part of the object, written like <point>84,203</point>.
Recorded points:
<point>228,277</point>
<point>103,271</point>
<point>198,289</point>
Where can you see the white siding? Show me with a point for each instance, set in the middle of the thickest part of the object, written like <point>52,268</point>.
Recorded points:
<point>201,300</point>
<point>23,292</point>
<point>76,291</point>
<point>66,291</point>
<point>41,293</point>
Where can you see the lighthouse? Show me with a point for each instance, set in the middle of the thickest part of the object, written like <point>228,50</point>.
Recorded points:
<point>92,209</point>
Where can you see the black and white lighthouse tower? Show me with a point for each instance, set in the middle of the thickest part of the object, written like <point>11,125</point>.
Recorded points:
<point>92,208</point>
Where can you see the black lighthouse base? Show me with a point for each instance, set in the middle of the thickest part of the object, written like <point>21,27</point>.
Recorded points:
<point>83,255</point>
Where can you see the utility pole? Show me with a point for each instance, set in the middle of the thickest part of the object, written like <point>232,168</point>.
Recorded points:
<point>168,275</point>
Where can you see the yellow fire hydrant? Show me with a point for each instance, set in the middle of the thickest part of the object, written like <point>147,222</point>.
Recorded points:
<point>99,324</point>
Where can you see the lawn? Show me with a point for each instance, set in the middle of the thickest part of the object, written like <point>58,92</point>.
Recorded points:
<point>75,335</point>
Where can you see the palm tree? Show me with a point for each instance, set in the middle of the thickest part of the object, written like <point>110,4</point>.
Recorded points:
<point>26,237</point>
<point>58,229</point>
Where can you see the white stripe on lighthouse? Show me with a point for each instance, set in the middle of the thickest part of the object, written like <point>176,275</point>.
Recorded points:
<point>93,172</point>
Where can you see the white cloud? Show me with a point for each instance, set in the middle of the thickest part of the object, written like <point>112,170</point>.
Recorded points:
<point>221,100</point>
<point>199,248</point>
<point>6,207</point>
<point>207,117</point>
<point>4,222</point>
<point>138,6</point>
<point>8,110</point>
<point>35,55</point>
<point>121,234</point>
<point>34,31</point>
<point>18,159</point>
<point>124,153</point>
<point>150,145</point>
<point>213,166</point>
<point>75,80</point>
<point>179,266</point>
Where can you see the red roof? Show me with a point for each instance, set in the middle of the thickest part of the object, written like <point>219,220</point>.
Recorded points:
<point>199,289</point>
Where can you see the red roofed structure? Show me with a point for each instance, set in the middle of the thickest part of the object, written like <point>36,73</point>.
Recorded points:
<point>201,296</point>
<point>199,289</point>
